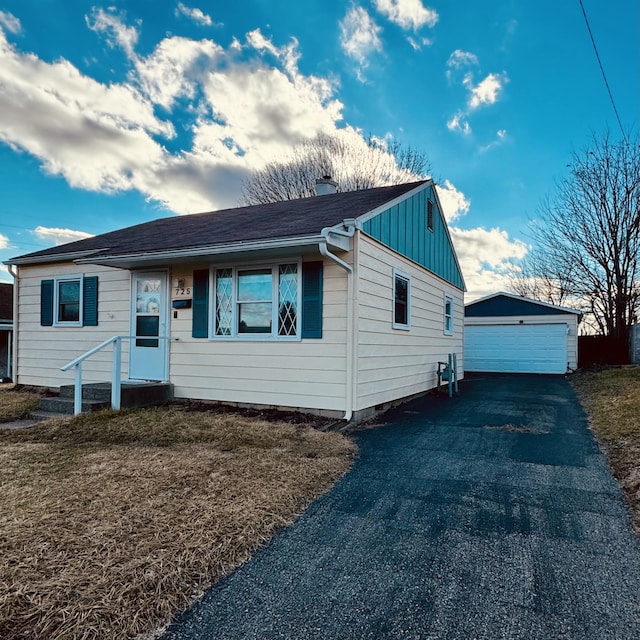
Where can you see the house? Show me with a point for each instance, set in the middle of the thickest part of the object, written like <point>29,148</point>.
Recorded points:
<point>6,330</point>
<point>339,304</point>
<point>508,333</point>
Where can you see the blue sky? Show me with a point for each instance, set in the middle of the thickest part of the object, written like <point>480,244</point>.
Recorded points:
<point>113,114</point>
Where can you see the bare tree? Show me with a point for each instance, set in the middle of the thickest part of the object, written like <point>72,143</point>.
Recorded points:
<point>353,161</point>
<point>587,238</point>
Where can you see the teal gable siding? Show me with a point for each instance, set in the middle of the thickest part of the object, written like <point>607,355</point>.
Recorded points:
<point>403,228</point>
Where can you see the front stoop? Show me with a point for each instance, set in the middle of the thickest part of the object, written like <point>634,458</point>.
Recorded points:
<point>97,396</point>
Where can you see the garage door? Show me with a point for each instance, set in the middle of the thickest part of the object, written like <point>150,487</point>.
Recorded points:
<point>540,348</point>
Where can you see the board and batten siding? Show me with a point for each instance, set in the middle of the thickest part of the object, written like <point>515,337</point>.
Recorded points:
<point>305,374</point>
<point>404,228</point>
<point>568,319</point>
<point>41,351</point>
<point>397,363</point>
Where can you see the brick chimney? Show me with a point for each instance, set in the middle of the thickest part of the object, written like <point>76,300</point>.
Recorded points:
<point>325,186</point>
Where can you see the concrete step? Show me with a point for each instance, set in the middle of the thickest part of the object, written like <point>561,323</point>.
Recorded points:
<point>96,396</point>
<point>94,391</point>
<point>65,405</point>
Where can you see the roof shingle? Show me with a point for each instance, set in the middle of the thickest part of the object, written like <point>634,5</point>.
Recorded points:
<point>286,219</point>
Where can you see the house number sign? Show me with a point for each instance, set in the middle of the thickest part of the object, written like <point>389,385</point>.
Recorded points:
<point>182,288</point>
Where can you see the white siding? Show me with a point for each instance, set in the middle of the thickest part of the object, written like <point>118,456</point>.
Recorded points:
<point>568,319</point>
<point>306,374</point>
<point>396,363</point>
<point>41,351</point>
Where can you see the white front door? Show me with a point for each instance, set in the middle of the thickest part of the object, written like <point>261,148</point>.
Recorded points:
<point>149,311</point>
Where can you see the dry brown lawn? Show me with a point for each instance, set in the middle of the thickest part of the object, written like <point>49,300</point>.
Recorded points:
<point>611,397</point>
<point>16,405</point>
<point>112,523</point>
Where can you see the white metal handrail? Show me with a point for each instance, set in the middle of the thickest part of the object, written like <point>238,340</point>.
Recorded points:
<point>116,364</point>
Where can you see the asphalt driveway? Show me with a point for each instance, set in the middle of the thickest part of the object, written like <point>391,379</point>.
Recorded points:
<point>489,515</point>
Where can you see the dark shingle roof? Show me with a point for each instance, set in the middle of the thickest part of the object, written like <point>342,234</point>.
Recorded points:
<point>290,218</point>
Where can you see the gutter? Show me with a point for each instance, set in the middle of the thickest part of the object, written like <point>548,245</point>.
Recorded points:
<point>350,229</point>
<point>13,373</point>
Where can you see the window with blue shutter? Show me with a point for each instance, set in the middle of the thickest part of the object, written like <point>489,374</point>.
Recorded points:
<point>69,301</point>
<point>312,299</point>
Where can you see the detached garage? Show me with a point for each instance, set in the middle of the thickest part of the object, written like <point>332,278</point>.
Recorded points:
<point>506,333</point>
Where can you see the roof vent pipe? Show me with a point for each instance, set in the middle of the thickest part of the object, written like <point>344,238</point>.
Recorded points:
<point>325,186</point>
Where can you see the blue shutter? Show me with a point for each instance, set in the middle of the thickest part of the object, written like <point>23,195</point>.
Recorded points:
<point>312,299</point>
<point>46,303</point>
<point>200,326</point>
<point>90,301</point>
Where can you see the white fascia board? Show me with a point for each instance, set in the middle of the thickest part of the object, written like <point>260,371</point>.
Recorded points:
<point>55,257</point>
<point>203,251</point>
<point>391,203</point>
<point>446,229</point>
<point>515,296</point>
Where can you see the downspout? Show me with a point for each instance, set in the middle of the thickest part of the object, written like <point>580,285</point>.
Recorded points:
<point>14,355</point>
<point>324,251</point>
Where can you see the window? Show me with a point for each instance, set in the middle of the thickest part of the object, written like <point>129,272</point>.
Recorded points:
<point>254,302</point>
<point>69,301</point>
<point>430,215</point>
<point>448,315</point>
<point>401,300</point>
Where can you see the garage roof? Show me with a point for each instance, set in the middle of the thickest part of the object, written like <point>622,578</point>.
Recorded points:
<point>509,304</point>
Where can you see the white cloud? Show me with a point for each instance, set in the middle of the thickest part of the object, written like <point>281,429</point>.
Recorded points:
<point>241,111</point>
<point>460,123</point>
<point>500,138</point>
<point>359,37</point>
<point>487,91</point>
<point>10,22</point>
<point>175,69</point>
<point>4,241</point>
<point>96,136</point>
<point>481,94</point>
<point>60,236</point>
<point>454,203</point>
<point>459,59</point>
<point>408,14</point>
<point>118,34</point>
<point>195,14</point>
<point>417,45</point>
<point>486,258</point>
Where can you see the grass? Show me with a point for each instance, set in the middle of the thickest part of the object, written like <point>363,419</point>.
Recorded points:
<point>112,523</point>
<point>612,399</point>
<point>16,405</point>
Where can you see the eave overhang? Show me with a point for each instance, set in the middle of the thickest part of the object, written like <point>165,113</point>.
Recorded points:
<point>232,251</point>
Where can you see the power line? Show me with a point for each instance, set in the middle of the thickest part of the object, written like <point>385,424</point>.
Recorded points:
<point>593,42</point>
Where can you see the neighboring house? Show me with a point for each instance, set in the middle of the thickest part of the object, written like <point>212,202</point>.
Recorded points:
<point>336,304</point>
<point>6,330</point>
<point>507,333</point>
<point>634,344</point>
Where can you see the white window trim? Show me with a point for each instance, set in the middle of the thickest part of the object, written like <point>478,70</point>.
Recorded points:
<point>398,325</point>
<point>447,298</point>
<point>68,278</point>
<point>275,292</point>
